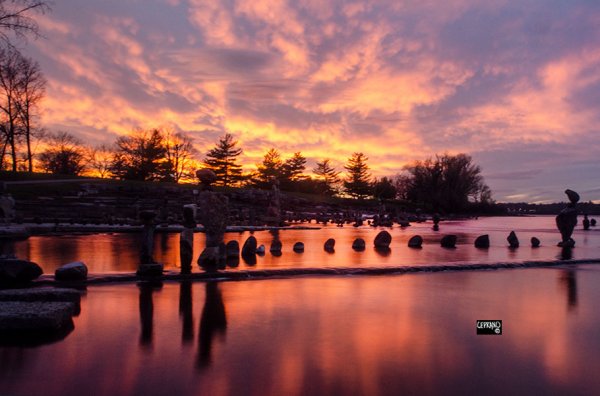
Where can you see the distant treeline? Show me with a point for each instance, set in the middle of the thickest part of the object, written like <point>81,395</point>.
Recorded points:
<point>589,208</point>
<point>445,183</point>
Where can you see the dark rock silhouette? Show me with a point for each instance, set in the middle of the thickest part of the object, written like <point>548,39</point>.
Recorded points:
<point>586,222</point>
<point>436,222</point>
<point>383,240</point>
<point>448,241</point>
<point>566,220</point>
<point>415,242</point>
<point>593,222</point>
<point>186,239</point>
<point>249,247</point>
<point>329,245</point>
<point>358,244</point>
<point>260,250</point>
<point>275,246</point>
<point>76,271</point>
<point>298,247</point>
<point>512,239</point>
<point>147,266</point>
<point>535,242</point>
<point>232,249</point>
<point>206,177</point>
<point>482,241</point>
<point>15,271</point>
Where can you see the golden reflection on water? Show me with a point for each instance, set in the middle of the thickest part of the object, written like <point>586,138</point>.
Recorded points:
<point>105,253</point>
<point>327,335</point>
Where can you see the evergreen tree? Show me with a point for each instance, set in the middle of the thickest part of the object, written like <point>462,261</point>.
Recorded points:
<point>222,160</point>
<point>329,177</point>
<point>294,167</point>
<point>358,181</point>
<point>140,156</point>
<point>271,167</point>
<point>384,189</point>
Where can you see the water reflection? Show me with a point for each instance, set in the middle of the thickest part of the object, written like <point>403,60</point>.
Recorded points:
<point>367,335</point>
<point>568,279</point>
<point>146,308</point>
<point>119,252</point>
<point>186,308</point>
<point>213,323</point>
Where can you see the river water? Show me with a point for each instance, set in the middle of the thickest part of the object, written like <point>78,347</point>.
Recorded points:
<point>365,335</point>
<point>107,253</point>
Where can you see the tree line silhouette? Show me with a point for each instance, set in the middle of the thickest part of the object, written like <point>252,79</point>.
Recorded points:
<point>444,183</point>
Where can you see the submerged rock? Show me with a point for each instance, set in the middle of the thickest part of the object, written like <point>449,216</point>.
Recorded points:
<point>275,246</point>
<point>210,257</point>
<point>383,240</point>
<point>448,241</point>
<point>232,249</point>
<point>329,245</point>
<point>415,242</point>
<point>535,242</point>
<point>482,241</point>
<point>512,239</point>
<point>150,269</point>
<point>358,244</point>
<point>249,247</point>
<point>298,247</point>
<point>76,271</point>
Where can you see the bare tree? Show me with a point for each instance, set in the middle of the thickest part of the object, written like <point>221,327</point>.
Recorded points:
<point>10,66</point>
<point>99,160</point>
<point>64,155</point>
<point>15,17</point>
<point>31,90</point>
<point>180,154</point>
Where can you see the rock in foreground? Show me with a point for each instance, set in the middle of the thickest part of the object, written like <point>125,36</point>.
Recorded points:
<point>448,241</point>
<point>76,271</point>
<point>415,242</point>
<point>482,241</point>
<point>383,240</point>
<point>15,271</point>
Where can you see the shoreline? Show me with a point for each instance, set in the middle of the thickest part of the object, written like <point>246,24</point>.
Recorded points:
<point>24,231</point>
<point>130,277</point>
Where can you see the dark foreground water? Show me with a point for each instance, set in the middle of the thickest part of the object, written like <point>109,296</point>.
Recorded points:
<point>408,334</point>
<point>104,253</point>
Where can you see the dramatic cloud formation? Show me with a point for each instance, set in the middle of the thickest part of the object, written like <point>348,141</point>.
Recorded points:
<point>514,84</point>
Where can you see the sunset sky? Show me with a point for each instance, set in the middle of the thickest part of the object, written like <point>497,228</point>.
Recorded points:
<point>515,84</point>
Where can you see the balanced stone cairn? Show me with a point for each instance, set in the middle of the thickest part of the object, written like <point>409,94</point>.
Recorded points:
<point>512,239</point>
<point>147,266</point>
<point>186,238</point>
<point>566,220</point>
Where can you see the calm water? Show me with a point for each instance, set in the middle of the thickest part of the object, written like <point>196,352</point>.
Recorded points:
<point>119,252</point>
<point>408,334</point>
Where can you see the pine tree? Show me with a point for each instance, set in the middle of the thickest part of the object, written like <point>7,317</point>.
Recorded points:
<point>329,177</point>
<point>222,160</point>
<point>358,181</point>
<point>294,167</point>
<point>271,167</point>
